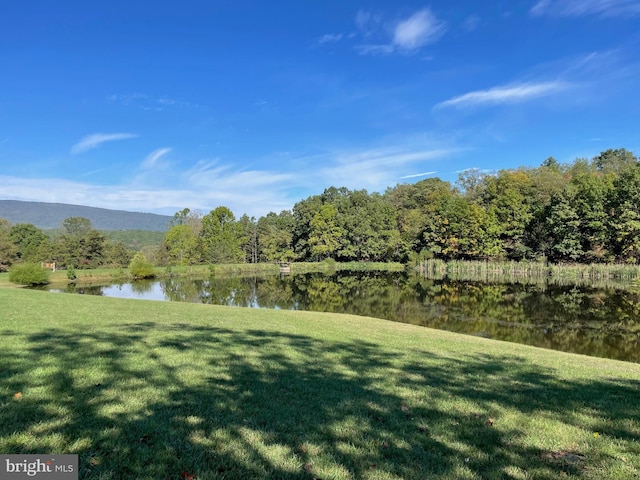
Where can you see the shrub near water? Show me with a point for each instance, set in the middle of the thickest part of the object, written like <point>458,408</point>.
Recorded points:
<point>29,274</point>
<point>140,267</point>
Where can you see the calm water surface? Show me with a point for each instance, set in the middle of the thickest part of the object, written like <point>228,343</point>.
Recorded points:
<point>578,319</point>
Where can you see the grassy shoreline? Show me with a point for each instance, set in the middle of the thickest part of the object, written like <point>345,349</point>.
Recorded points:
<point>594,275</point>
<point>597,275</point>
<point>110,275</point>
<point>145,389</point>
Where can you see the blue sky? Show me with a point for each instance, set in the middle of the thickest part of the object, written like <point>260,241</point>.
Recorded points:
<point>158,106</point>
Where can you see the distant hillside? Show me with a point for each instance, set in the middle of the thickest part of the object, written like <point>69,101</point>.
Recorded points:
<point>51,215</point>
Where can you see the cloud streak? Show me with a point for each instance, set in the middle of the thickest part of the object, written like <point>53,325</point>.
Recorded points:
<point>152,159</point>
<point>149,102</point>
<point>506,94</point>
<point>95,140</point>
<point>416,175</point>
<point>375,169</point>
<point>579,8</point>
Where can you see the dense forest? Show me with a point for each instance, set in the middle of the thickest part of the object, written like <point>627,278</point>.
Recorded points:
<point>584,212</point>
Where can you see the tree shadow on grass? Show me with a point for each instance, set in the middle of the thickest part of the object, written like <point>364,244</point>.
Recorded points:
<point>165,401</point>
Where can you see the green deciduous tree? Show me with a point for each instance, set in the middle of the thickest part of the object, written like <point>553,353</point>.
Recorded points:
<point>220,237</point>
<point>461,230</point>
<point>248,234</point>
<point>416,206</point>
<point>325,234</point>
<point>563,224</point>
<point>181,244</point>
<point>27,239</point>
<point>614,161</point>
<point>8,251</point>
<point>509,197</point>
<point>275,237</point>
<point>77,226</point>
<point>625,218</point>
<point>303,213</point>
<point>117,254</point>
<point>81,246</point>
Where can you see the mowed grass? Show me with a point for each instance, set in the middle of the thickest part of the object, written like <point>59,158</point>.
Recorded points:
<point>159,390</point>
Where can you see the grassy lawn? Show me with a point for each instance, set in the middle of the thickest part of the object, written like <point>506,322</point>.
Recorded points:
<point>160,390</point>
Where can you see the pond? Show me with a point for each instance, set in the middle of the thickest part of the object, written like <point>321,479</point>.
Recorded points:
<point>579,319</point>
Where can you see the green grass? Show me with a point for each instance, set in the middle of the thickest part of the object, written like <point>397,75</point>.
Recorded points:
<point>149,390</point>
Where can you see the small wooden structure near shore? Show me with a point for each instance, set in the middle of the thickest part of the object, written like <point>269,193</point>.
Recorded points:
<point>50,265</point>
<point>285,267</point>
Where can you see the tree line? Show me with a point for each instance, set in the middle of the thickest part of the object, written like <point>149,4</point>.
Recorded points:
<point>587,211</point>
<point>78,246</point>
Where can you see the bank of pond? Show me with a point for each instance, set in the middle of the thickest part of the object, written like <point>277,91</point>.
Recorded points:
<point>598,319</point>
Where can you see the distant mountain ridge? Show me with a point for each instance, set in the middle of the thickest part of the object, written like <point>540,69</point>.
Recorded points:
<point>50,215</point>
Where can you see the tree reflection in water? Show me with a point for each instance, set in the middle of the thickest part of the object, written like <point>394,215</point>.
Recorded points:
<point>602,322</point>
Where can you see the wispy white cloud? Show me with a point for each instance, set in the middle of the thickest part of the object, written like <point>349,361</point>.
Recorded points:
<point>375,49</point>
<point>95,140</point>
<point>152,159</point>
<point>92,172</point>
<point>471,23</point>
<point>418,30</point>
<point>407,36</point>
<point>254,193</point>
<point>416,175</point>
<point>212,172</point>
<point>330,38</point>
<point>367,23</point>
<point>209,183</point>
<point>149,102</point>
<point>483,171</point>
<point>578,8</point>
<point>374,169</point>
<point>506,94</point>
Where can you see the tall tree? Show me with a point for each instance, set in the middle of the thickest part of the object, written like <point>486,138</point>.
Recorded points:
<point>248,232</point>
<point>220,237</point>
<point>117,254</point>
<point>614,161</point>
<point>275,237</point>
<point>416,206</point>
<point>563,225</point>
<point>82,246</point>
<point>369,227</point>
<point>461,230</point>
<point>27,239</point>
<point>181,245</point>
<point>303,213</point>
<point>625,219</point>
<point>472,182</point>
<point>509,197</point>
<point>77,226</point>
<point>325,234</point>
<point>592,194</point>
<point>8,250</point>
